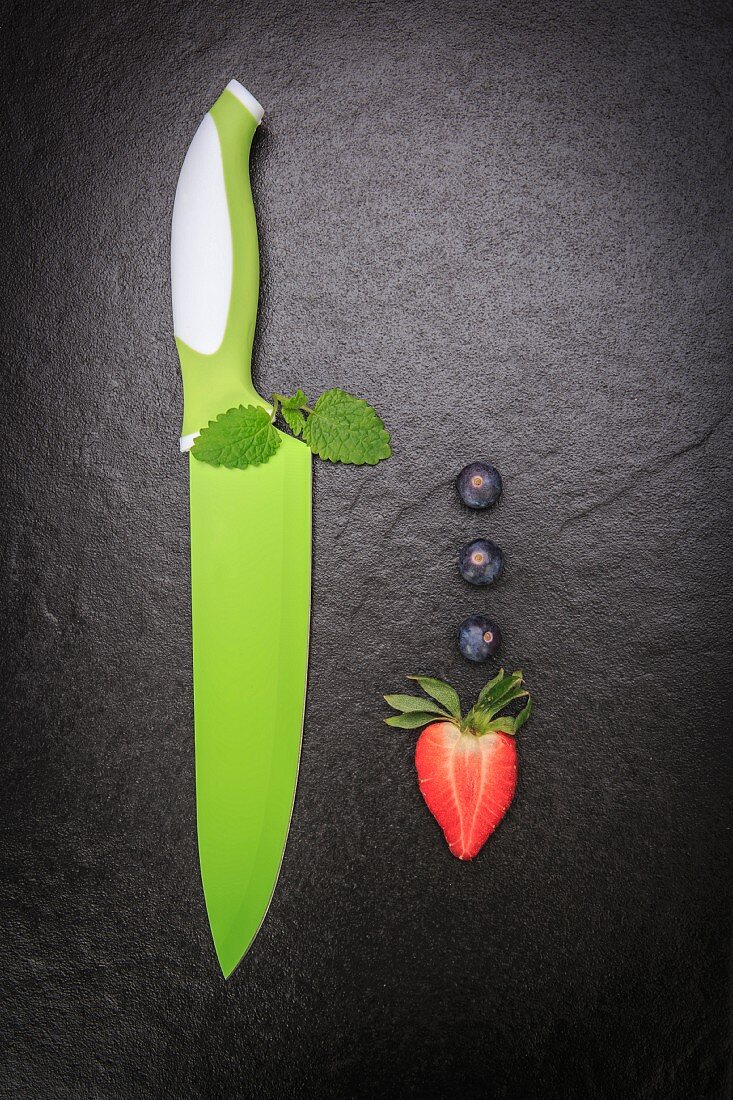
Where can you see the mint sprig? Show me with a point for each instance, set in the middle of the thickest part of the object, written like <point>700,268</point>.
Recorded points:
<point>339,428</point>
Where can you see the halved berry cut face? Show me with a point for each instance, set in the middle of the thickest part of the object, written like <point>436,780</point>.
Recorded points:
<point>479,485</point>
<point>480,562</point>
<point>467,782</point>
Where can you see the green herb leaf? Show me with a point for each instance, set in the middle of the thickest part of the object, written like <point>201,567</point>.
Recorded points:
<point>293,418</point>
<point>238,438</point>
<point>487,689</point>
<point>410,721</point>
<point>524,714</point>
<point>343,428</point>
<point>297,401</point>
<point>506,724</point>
<point>414,704</point>
<point>500,691</point>
<point>497,688</point>
<point>494,708</point>
<point>442,692</point>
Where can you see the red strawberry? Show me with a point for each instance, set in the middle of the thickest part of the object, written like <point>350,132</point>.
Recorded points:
<point>467,782</point>
<point>466,767</point>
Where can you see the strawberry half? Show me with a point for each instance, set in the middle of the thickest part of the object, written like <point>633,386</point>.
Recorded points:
<point>466,766</point>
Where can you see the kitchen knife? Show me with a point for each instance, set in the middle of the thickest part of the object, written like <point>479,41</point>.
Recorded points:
<point>250,543</point>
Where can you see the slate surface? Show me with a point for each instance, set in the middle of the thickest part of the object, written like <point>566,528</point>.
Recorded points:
<point>508,226</point>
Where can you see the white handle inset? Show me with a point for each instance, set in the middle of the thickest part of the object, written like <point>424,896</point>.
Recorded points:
<point>201,237</point>
<point>201,245</point>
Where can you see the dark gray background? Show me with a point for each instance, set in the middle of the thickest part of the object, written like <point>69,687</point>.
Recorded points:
<point>508,226</point>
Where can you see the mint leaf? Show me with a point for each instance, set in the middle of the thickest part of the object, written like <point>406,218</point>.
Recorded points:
<point>343,428</point>
<point>297,401</point>
<point>293,418</point>
<point>291,408</point>
<point>238,438</point>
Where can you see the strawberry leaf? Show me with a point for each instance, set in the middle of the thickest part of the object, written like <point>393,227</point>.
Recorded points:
<point>524,714</point>
<point>492,685</point>
<point>238,438</point>
<point>505,724</point>
<point>409,721</point>
<point>498,687</point>
<point>489,711</point>
<point>500,691</point>
<point>412,704</point>
<point>342,428</point>
<point>482,718</point>
<point>442,692</point>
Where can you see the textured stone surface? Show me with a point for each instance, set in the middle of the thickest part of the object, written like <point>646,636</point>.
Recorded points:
<point>507,225</point>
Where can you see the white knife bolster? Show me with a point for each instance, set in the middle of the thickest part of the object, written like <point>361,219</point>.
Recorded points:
<point>255,109</point>
<point>186,442</point>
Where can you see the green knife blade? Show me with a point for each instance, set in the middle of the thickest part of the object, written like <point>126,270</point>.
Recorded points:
<point>250,544</point>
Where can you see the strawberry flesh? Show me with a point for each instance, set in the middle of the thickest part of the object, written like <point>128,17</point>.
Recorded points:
<point>467,782</point>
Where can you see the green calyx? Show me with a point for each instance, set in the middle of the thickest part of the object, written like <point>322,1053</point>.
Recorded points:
<point>443,704</point>
<point>339,428</point>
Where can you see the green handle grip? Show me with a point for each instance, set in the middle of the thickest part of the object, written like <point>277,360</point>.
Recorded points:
<point>206,264</point>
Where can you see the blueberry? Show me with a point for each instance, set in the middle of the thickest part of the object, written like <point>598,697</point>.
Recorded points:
<point>480,562</point>
<point>479,485</point>
<point>478,638</point>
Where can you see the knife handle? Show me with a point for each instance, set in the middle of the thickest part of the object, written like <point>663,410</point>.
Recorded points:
<point>215,262</point>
